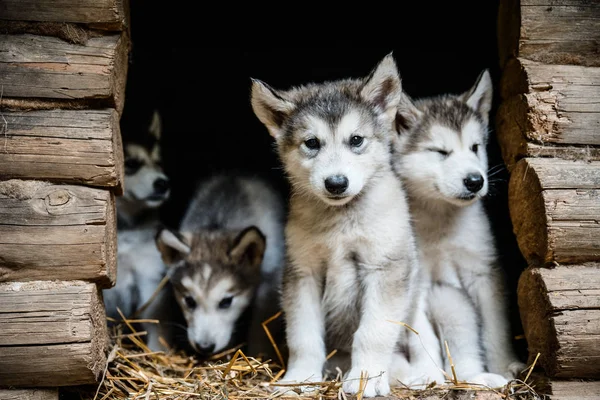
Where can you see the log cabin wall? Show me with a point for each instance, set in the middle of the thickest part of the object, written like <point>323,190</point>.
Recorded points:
<point>63,68</point>
<point>548,126</point>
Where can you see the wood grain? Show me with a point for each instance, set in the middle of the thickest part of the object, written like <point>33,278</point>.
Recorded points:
<point>51,333</point>
<point>555,210</point>
<point>99,14</point>
<point>67,146</point>
<point>29,394</point>
<point>56,232</point>
<point>550,31</point>
<point>560,311</point>
<point>46,67</point>
<point>549,110</point>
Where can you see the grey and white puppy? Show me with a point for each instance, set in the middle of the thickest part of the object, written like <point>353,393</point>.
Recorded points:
<point>442,160</point>
<point>139,265</point>
<point>227,259</point>
<point>351,257</point>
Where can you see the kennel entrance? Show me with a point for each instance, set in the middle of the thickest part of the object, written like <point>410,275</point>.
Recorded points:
<point>64,69</point>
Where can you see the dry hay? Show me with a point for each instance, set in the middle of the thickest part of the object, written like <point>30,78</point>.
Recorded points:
<point>135,372</point>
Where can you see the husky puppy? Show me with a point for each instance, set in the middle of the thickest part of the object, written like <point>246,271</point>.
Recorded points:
<point>351,257</point>
<point>139,265</point>
<point>226,260</point>
<point>442,161</point>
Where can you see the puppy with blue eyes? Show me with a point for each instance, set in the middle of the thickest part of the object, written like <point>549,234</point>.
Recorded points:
<point>225,263</point>
<point>351,265</point>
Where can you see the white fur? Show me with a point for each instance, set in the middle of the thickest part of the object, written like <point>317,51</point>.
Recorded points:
<point>456,249</point>
<point>352,259</point>
<point>255,204</point>
<point>207,324</point>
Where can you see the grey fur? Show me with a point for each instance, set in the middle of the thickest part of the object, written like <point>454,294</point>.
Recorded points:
<point>441,141</point>
<point>351,259</point>
<point>223,210</point>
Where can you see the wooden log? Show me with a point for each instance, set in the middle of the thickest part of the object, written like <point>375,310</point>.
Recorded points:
<point>56,232</point>
<point>47,67</point>
<point>549,110</point>
<point>572,390</point>
<point>28,394</point>
<point>550,31</point>
<point>51,333</point>
<point>99,14</point>
<point>555,210</point>
<point>560,311</point>
<point>81,147</point>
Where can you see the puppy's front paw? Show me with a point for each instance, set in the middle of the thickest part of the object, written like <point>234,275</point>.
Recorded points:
<point>302,376</point>
<point>375,382</point>
<point>514,369</point>
<point>489,379</point>
<point>422,380</point>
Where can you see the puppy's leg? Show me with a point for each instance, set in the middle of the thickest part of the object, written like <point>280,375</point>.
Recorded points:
<point>376,338</point>
<point>487,292</point>
<point>458,325</point>
<point>425,353</point>
<point>305,325</point>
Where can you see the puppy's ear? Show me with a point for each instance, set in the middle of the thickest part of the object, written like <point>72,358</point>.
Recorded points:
<point>479,97</point>
<point>383,88</point>
<point>172,246</point>
<point>270,106</point>
<point>248,247</point>
<point>155,127</point>
<point>407,116</point>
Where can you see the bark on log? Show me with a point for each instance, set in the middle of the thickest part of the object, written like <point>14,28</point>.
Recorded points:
<point>550,31</point>
<point>67,146</point>
<point>56,232</point>
<point>555,210</point>
<point>560,310</point>
<point>47,67</point>
<point>549,110</point>
<point>99,14</point>
<point>51,333</point>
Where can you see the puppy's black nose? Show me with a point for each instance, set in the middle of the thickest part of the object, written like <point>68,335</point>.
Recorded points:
<point>473,182</point>
<point>161,185</point>
<point>336,184</point>
<point>205,348</point>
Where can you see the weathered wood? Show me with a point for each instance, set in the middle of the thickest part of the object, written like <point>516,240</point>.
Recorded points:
<point>573,390</point>
<point>47,67</point>
<point>51,333</point>
<point>63,145</point>
<point>560,311</point>
<point>28,394</point>
<point>553,106</point>
<point>550,31</point>
<point>100,14</point>
<point>56,232</point>
<point>50,312</point>
<point>555,210</point>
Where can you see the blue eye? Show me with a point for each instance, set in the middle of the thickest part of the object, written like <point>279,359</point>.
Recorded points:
<point>312,143</point>
<point>356,141</point>
<point>226,302</point>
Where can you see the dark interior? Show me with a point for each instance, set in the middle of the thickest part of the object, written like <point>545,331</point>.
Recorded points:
<point>202,92</point>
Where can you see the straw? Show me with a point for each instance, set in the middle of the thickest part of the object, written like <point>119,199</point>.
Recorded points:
<point>135,372</point>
